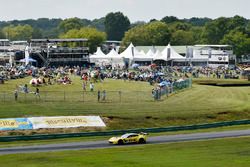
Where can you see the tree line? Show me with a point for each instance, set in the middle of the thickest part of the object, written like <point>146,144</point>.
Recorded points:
<point>234,31</point>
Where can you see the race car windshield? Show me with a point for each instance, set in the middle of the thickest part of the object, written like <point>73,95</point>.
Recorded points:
<point>126,135</point>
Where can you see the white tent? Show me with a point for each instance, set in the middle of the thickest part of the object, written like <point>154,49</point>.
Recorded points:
<point>171,54</point>
<point>159,56</point>
<point>141,56</point>
<point>112,54</point>
<point>142,52</point>
<point>99,58</point>
<point>134,55</point>
<point>114,58</point>
<point>130,52</point>
<point>150,53</point>
<point>98,54</point>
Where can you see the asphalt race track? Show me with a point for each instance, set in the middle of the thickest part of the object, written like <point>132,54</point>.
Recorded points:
<point>105,144</point>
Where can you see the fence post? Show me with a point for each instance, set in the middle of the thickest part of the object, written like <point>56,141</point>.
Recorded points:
<point>4,96</point>
<point>83,96</point>
<point>120,96</point>
<point>64,96</point>
<point>45,96</point>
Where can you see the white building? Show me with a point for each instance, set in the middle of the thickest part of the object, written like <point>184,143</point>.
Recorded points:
<point>211,55</point>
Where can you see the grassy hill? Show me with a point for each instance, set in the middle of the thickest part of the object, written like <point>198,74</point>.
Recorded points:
<point>135,106</point>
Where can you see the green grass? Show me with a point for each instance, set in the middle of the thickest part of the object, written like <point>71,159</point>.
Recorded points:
<point>201,104</point>
<point>231,152</point>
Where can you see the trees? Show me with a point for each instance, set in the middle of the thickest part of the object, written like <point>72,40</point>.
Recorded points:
<point>180,26</point>
<point>70,24</point>
<point>237,22</point>
<point>2,36</point>
<point>215,30</point>
<point>169,19</point>
<point>99,24</point>
<point>20,32</point>
<point>116,24</point>
<point>197,34</point>
<point>155,33</point>
<point>95,37</point>
<point>181,37</point>
<point>195,21</point>
<point>233,30</point>
<point>37,33</point>
<point>137,23</point>
<point>239,41</point>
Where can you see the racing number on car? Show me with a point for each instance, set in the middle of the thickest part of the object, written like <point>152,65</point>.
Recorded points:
<point>132,139</point>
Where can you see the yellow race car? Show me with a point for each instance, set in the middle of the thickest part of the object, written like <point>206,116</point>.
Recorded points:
<point>129,138</point>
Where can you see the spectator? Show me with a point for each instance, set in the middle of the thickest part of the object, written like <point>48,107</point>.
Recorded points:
<point>37,93</point>
<point>16,94</point>
<point>25,89</point>
<point>104,95</point>
<point>91,86</point>
<point>98,95</point>
<point>84,86</point>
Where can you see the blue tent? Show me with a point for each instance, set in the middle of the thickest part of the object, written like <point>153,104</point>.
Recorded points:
<point>135,65</point>
<point>164,83</point>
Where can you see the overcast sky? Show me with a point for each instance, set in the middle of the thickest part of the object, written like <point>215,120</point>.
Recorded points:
<point>136,10</point>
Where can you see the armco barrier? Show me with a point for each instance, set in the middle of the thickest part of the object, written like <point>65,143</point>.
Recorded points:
<point>118,132</point>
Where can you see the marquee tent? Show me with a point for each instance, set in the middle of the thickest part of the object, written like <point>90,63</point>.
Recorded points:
<point>150,53</point>
<point>98,54</point>
<point>142,57</point>
<point>98,57</point>
<point>114,58</point>
<point>171,54</point>
<point>159,56</point>
<point>112,54</point>
<point>133,55</point>
<point>130,52</point>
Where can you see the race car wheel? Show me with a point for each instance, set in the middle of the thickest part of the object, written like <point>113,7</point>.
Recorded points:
<point>142,141</point>
<point>120,142</point>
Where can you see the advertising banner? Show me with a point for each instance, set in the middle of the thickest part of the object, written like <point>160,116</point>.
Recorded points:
<point>66,122</point>
<point>15,124</point>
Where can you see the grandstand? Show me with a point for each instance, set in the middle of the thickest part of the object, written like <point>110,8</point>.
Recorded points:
<point>55,52</point>
<point>6,52</point>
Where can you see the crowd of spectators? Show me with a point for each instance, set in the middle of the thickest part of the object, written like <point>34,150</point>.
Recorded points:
<point>61,75</point>
<point>157,76</point>
<point>7,72</point>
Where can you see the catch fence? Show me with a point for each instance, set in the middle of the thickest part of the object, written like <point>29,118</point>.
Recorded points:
<point>92,96</point>
<point>171,88</point>
<point>78,96</point>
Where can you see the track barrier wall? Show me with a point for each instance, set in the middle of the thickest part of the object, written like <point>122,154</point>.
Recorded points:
<point>119,132</point>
